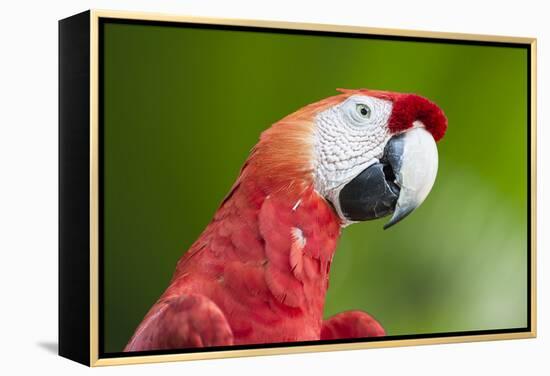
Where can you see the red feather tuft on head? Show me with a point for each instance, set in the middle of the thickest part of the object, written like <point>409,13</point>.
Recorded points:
<point>407,108</point>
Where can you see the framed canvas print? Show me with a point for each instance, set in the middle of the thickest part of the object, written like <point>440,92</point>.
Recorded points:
<point>238,187</point>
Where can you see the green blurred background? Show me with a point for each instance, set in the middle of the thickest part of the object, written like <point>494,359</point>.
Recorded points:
<point>183,107</point>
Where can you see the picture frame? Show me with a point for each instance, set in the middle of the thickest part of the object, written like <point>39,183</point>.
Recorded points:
<point>86,117</point>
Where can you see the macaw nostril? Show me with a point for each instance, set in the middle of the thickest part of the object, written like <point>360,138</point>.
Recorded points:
<point>390,178</point>
<point>393,153</point>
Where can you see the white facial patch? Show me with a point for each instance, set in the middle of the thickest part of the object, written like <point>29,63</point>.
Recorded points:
<point>349,137</point>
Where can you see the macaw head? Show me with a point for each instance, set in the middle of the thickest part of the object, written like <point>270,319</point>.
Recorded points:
<point>369,153</point>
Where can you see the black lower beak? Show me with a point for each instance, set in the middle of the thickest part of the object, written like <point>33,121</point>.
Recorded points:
<point>371,194</point>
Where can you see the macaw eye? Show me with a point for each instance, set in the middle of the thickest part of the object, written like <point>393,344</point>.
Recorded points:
<point>363,110</point>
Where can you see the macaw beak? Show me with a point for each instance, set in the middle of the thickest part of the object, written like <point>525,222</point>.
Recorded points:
<point>397,184</point>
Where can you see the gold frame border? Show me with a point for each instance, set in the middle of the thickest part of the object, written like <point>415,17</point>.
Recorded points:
<point>94,142</point>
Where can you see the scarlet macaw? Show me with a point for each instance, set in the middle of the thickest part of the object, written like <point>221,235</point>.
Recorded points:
<point>259,272</point>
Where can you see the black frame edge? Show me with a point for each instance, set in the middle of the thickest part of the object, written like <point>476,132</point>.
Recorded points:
<point>74,186</point>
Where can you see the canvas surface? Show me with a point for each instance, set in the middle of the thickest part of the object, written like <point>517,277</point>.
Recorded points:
<point>183,107</point>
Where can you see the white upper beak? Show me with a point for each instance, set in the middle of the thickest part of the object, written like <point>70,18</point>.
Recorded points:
<point>416,172</point>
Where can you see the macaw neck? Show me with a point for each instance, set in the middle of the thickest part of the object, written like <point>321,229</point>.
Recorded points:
<point>299,231</point>
<point>292,218</point>
<point>314,226</point>
<point>265,257</point>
